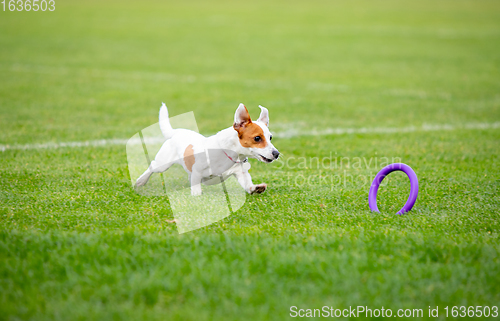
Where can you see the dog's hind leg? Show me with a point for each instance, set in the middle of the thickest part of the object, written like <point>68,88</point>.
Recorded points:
<point>195,179</point>
<point>164,159</point>
<point>154,167</point>
<point>144,178</point>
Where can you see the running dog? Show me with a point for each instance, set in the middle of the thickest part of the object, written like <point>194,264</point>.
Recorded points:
<point>211,160</point>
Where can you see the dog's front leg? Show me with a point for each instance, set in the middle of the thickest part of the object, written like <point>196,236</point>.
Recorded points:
<point>195,183</point>
<point>245,181</point>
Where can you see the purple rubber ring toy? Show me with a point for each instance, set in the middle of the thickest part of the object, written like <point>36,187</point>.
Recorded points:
<point>372,195</point>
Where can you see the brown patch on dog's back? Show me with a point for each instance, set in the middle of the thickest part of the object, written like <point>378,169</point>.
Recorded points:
<point>189,157</point>
<point>248,133</point>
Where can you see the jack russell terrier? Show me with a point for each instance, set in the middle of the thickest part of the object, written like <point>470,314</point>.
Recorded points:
<point>211,160</point>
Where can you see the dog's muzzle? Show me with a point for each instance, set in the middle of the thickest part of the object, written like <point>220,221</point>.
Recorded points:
<point>275,156</point>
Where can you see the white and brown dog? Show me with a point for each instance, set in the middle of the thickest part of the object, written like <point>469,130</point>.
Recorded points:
<point>210,160</point>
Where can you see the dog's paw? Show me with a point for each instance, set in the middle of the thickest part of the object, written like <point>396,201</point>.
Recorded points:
<point>141,181</point>
<point>257,189</point>
<point>196,191</point>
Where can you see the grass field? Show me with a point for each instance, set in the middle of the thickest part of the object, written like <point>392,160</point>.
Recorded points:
<point>77,243</point>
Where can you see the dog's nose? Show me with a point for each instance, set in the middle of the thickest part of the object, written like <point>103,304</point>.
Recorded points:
<point>276,154</point>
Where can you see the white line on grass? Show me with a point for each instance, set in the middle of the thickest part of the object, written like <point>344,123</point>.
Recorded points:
<point>296,132</point>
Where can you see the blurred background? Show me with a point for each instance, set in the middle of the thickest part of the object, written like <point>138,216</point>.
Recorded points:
<point>100,69</point>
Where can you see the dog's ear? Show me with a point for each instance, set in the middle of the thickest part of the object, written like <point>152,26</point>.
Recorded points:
<point>264,115</point>
<point>241,117</point>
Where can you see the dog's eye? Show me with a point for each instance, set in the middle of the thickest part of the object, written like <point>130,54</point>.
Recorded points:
<point>257,138</point>
<point>270,137</point>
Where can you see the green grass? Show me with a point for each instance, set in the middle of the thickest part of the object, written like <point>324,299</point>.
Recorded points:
<point>77,243</point>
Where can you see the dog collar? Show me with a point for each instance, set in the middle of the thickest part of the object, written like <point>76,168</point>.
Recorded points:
<point>235,161</point>
<point>245,161</point>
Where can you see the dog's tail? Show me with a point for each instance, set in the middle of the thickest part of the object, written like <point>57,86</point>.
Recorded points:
<point>166,128</point>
